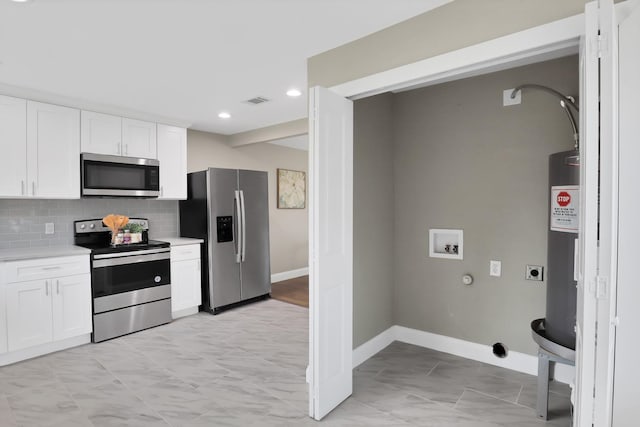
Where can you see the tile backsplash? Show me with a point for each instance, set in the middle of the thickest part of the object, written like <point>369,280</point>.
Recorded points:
<point>22,222</point>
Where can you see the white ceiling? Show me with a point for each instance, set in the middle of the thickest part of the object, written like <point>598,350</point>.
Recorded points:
<point>183,60</point>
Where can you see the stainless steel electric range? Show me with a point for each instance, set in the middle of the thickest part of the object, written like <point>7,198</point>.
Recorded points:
<point>130,283</point>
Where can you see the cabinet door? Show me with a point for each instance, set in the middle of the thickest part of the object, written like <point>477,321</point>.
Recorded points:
<point>3,318</point>
<point>101,133</point>
<point>53,151</point>
<point>185,284</point>
<point>28,314</point>
<point>139,139</point>
<point>71,306</point>
<point>172,154</point>
<point>13,140</point>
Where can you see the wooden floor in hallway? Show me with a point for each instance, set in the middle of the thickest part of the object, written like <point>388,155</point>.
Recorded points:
<point>294,291</point>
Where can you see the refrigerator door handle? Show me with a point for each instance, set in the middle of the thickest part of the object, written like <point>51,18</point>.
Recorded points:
<point>238,226</point>
<point>244,227</point>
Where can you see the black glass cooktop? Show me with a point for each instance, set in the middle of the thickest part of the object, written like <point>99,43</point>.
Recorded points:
<point>100,248</point>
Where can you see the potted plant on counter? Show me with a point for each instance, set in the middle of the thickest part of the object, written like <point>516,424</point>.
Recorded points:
<point>135,230</point>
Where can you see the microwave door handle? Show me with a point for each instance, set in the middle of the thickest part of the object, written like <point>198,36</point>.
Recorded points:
<point>244,227</point>
<point>237,225</point>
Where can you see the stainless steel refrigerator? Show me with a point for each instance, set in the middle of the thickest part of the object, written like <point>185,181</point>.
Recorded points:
<point>229,209</point>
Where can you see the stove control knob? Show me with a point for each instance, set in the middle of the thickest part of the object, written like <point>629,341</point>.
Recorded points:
<point>92,226</point>
<point>157,279</point>
<point>82,226</point>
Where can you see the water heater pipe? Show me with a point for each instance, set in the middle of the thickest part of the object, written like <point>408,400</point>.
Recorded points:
<point>565,102</point>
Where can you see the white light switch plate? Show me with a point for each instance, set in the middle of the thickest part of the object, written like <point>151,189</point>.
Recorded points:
<point>495,268</point>
<point>48,228</point>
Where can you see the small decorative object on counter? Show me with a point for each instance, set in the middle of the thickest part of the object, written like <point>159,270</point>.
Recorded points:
<point>115,223</point>
<point>127,237</point>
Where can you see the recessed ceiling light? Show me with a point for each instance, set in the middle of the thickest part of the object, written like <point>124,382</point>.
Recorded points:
<point>224,115</point>
<point>293,93</point>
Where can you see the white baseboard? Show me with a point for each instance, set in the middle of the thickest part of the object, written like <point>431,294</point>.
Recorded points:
<point>40,350</point>
<point>373,346</point>
<point>516,361</point>
<point>291,274</point>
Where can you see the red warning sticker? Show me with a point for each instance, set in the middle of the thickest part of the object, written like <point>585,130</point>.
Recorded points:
<point>565,208</point>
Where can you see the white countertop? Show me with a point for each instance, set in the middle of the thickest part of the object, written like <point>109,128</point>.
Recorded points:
<point>19,254</point>
<point>180,241</point>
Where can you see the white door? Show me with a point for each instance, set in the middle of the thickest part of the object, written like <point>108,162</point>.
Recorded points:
<point>53,151</point>
<point>13,140</point>
<point>330,250</point>
<point>71,306</point>
<point>101,133</point>
<point>172,154</point>
<point>139,139</point>
<point>626,375</point>
<point>588,244</point>
<point>28,314</point>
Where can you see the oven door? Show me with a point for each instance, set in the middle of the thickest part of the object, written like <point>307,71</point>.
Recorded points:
<point>124,279</point>
<point>113,176</point>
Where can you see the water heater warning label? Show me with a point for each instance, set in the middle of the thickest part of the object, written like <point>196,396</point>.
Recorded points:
<point>565,203</point>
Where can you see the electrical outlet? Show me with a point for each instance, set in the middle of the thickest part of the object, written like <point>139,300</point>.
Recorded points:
<point>534,272</point>
<point>508,100</point>
<point>495,268</point>
<point>49,228</point>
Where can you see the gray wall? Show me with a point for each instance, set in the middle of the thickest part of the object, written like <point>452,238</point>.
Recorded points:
<point>453,26</point>
<point>22,222</point>
<point>462,160</point>
<point>288,227</point>
<point>373,242</point>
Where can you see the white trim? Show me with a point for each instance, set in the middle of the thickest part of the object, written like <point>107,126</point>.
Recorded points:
<point>51,347</point>
<point>516,361</point>
<point>541,42</point>
<point>184,312</point>
<point>373,346</point>
<point>291,274</point>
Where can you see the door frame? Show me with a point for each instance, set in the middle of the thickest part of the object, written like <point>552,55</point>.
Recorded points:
<point>544,42</point>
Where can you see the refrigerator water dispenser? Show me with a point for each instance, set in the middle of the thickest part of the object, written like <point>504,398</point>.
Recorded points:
<point>225,228</point>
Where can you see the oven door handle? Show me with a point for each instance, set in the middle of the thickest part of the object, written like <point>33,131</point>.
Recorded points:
<point>125,254</point>
<point>109,262</point>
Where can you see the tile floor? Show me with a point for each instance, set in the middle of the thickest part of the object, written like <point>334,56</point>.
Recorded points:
<point>245,367</point>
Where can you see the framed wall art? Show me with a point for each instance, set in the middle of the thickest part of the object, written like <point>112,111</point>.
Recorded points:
<point>292,189</point>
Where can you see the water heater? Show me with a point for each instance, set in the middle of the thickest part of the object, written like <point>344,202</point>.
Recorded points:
<point>564,203</point>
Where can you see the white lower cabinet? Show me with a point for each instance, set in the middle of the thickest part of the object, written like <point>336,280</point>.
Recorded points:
<point>43,310</point>
<point>71,306</point>
<point>28,314</point>
<point>186,294</point>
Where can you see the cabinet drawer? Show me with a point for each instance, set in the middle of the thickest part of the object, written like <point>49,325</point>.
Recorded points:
<point>180,253</point>
<point>43,268</point>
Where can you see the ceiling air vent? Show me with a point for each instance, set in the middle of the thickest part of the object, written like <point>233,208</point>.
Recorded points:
<point>257,100</point>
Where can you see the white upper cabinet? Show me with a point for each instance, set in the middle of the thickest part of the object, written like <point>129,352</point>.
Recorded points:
<point>13,140</point>
<point>53,151</point>
<point>118,136</point>
<point>101,133</point>
<point>139,139</point>
<point>172,154</point>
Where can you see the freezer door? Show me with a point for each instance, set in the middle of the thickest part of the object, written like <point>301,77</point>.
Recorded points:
<point>256,269</point>
<point>224,268</point>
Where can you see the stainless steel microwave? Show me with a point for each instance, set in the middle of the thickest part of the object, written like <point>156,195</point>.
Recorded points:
<point>116,176</point>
